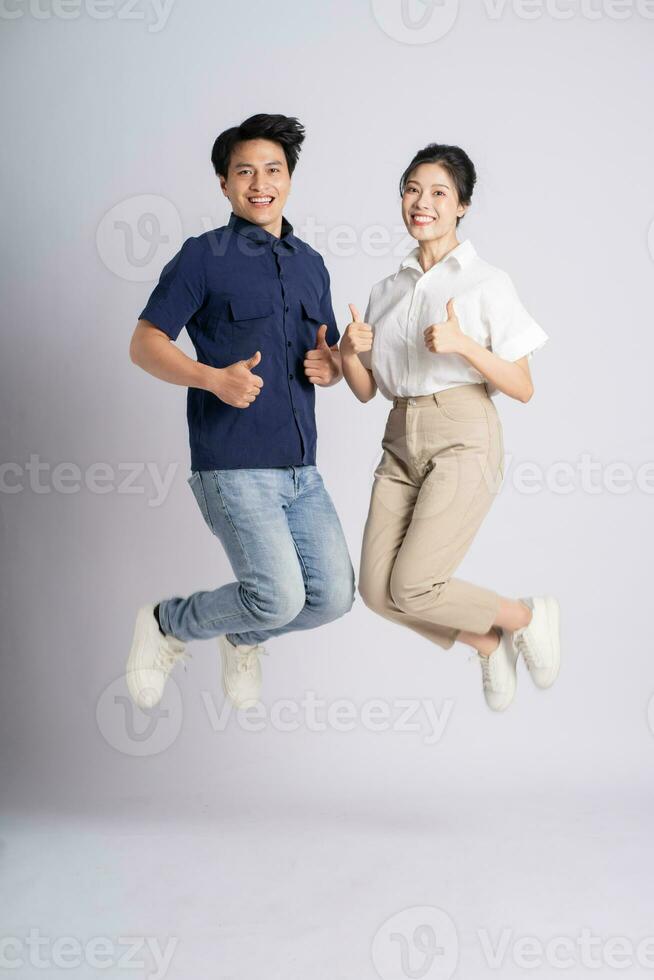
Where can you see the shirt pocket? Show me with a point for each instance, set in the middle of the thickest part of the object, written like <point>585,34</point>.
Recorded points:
<point>310,321</point>
<point>245,325</point>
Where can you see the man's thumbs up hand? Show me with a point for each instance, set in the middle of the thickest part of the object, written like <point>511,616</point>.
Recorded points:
<point>252,361</point>
<point>322,364</point>
<point>236,385</point>
<point>321,338</point>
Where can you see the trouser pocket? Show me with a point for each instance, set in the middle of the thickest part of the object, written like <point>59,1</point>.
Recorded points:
<point>196,485</point>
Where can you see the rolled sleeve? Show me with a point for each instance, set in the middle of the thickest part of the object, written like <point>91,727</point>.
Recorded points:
<point>180,291</point>
<point>513,331</point>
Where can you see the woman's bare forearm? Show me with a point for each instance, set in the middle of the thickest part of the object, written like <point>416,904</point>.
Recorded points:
<point>509,377</point>
<point>359,379</point>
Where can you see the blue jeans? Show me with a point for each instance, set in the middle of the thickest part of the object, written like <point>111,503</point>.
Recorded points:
<point>287,549</point>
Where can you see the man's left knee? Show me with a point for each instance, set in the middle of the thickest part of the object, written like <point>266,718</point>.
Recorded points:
<point>334,601</point>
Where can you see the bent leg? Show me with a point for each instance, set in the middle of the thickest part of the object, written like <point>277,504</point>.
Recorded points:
<point>392,501</point>
<point>246,510</point>
<point>322,554</point>
<point>454,498</point>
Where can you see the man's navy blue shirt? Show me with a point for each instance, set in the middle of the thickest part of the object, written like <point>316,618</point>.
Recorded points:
<point>239,289</point>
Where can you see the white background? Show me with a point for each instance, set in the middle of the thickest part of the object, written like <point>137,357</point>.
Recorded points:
<point>284,852</point>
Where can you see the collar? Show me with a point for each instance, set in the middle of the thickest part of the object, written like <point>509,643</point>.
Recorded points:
<point>462,255</point>
<point>257,234</point>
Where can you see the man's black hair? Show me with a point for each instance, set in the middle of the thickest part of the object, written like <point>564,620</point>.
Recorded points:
<point>285,130</point>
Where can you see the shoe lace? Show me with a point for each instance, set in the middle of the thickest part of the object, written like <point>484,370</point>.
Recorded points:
<point>488,671</point>
<point>246,660</point>
<point>171,651</point>
<point>527,648</point>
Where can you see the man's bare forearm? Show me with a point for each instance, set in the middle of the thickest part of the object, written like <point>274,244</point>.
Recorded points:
<point>157,354</point>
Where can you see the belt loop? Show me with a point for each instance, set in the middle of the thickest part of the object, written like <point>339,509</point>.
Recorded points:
<point>435,397</point>
<point>395,402</point>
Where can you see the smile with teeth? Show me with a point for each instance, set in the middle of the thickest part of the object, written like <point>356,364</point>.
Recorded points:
<point>422,219</point>
<point>260,202</point>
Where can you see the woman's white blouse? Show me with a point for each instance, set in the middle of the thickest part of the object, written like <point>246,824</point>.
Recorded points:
<point>404,304</point>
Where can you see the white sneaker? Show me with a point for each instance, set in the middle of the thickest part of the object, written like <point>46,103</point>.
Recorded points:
<point>499,674</point>
<point>539,641</point>
<point>151,659</point>
<point>241,671</point>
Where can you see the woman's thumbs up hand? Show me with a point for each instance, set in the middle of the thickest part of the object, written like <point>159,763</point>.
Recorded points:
<point>357,337</point>
<point>446,337</point>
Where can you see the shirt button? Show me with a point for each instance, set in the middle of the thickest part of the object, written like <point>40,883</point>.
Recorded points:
<point>287,308</point>
<point>291,376</point>
<point>289,343</point>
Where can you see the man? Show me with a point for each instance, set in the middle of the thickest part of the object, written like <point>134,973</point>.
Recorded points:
<point>256,303</point>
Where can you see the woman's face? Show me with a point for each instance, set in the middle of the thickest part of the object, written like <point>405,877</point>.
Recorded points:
<point>430,204</point>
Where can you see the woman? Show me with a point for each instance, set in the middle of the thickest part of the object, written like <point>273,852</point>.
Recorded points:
<point>441,335</point>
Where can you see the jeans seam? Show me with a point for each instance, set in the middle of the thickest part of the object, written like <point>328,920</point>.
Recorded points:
<point>205,510</point>
<point>222,619</point>
<point>231,523</point>
<point>305,572</point>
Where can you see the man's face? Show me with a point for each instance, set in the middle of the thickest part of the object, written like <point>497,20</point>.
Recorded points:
<point>258,182</point>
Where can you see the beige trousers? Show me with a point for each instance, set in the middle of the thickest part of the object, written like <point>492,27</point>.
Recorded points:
<point>442,464</point>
